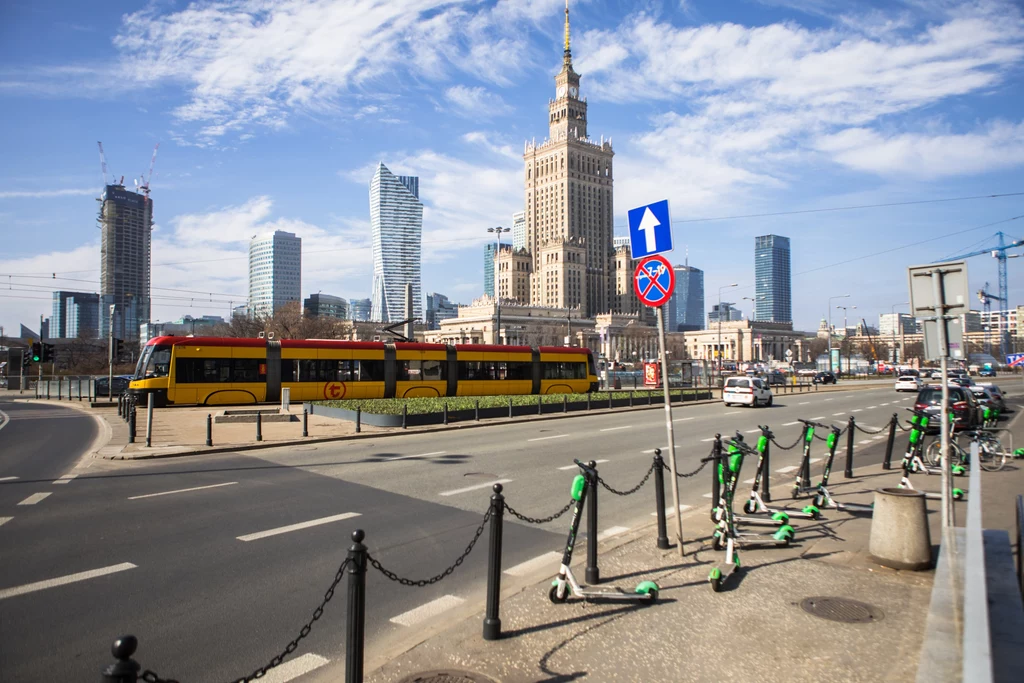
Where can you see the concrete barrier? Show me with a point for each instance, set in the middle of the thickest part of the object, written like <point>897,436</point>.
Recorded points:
<point>899,530</point>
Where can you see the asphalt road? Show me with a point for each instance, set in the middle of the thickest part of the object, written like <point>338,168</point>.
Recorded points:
<point>181,558</point>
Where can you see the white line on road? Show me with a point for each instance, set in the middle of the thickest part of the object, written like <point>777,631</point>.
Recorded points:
<point>545,438</point>
<point>428,610</point>
<point>706,440</point>
<point>814,460</point>
<point>668,510</point>
<point>663,448</point>
<point>485,485</point>
<point>871,407</point>
<point>6,419</point>
<point>64,479</point>
<point>682,419</point>
<point>35,498</point>
<point>294,668</point>
<point>612,531</point>
<point>572,467</point>
<point>296,527</point>
<point>833,415</point>
<point>7,478</point>
<point>421,455</point>
<point>550,560</point>
<point>749,481</point>
<point>752,431</point>
<point>707,495</point>
<point>615,429</point>
<point>857,410</point>
<point>821,417</point>
<point>790,424</point>
<point>4,520</point>
<point>733,412</point>
<point>194,488</point>
<point>62,580</point>
<point>828,399</point>
<point>884,404</point>
<point>787,470</point>
<point>803,403</point>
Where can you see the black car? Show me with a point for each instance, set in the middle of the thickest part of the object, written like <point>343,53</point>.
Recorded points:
<point>120,385</point>
<point>962,402</point>
<point>825,378</point>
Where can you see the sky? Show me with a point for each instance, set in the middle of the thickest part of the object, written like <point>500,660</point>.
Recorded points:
<point>272,115</point>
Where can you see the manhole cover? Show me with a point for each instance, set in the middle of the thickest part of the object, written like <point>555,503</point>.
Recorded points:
<point>842,609</point>
<point>447,677</point>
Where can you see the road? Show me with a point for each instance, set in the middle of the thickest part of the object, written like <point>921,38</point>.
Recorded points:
<point>179,552</point>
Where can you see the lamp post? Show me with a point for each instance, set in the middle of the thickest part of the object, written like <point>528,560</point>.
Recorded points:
<point>753,313</point>
<point>845,332</point>
<point>838,296</point>
<point>497,279</point>
<point>719,349</point>
<point>896,322</point>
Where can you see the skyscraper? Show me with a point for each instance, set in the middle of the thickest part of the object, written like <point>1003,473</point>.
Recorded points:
<point>126,224</point>
<point>490,249</point>
<point>75,314</point>
<point>396,222</point>
<point>685,310</point>
<point>439,308</point>
<point>568,188</point>
<point>360,309</point>
<point>275,272</point>
<point>519,230</point>
<point>772,287</point>
<point>326,306</point>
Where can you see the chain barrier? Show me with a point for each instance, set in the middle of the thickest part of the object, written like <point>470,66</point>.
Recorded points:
<point>902,428</point>
<point>434,579</point>
<point>542,520</point>
<point>687,475</point>
<point>151,677</point>
<point>792,445</point>
<point>819,437</point>
<point>632,490</point>
<point>870,431</point>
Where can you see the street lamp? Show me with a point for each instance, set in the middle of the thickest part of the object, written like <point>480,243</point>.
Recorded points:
<point>497,279</point>
<point>838,296</point>
<point>845,333</point>
<point>735,284</point>
<point>896,321</point>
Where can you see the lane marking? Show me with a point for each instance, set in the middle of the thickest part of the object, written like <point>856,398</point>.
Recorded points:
<point>7,478</point>
<point>612,531</point>
<point>63,580</point>
<point>858,410</point>
<point>615,429</point>
<point>733,412</point>
<point>790,424</point>
<point>708,495</point>
<point>572,467</point>
<point>296,527</point>
<point>821,417</point>
<point>194,488</point>
<point>4,520</point>
<point>682,419</point>
<point>871,407</point>
<point>828,399</point>
<point>7,419</point>
<point>749,481</point>
<point>294,668</point>
<point>485,485</point>
<point>427,610</point>
<point>64,479</point>
<point>803,403</point>
<point>668,510</point>
<point>706,440</point>
<point>421,455</point>
<point>551,560</point>
<point>545,438</point>
<point>752,431</point>
<point>651,450</point>
<point>787,470</point>
<point>35,498</point>
<point>884,404</point>
<point>814,460</point>
<point>833,415</point>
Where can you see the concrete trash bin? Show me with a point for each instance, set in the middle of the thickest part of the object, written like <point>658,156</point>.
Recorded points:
<point>899,530</point>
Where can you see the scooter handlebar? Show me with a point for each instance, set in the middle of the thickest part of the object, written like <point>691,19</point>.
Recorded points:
<point>587,469</point>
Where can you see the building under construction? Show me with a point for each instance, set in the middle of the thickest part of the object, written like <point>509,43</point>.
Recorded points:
<point>126,221</point>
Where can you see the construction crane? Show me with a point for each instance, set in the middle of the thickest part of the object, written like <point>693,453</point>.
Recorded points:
<point>999,253</point>
<point>986,300</point>
<point>103,163</point>
<point>871,342</point>
<point>146,179</point>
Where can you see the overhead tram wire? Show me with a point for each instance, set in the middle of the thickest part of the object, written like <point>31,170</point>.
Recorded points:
<point>96,282</point>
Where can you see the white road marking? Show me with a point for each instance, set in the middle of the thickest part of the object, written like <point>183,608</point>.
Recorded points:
<point>615,429</point>
<point>833,415</point>
<point>803,403</point>
<point>296,527</point>
<point>682,419</point>
<point>62,580</point>
<point>421,455</point>
<point>485,485</point>
<point>706,440</point>
<point>871,407</point>
<point>35,498</point>
<point>545,438</point>
<point>428,610</point>
<point>733,412</point>
<point>4,520</point>
<point>649,451</point>
<point>550,560</point>
<point>752,431</point>
<point>790,424</point>
<point>828,399</point>
<point>7,419</point>
<point>708,495</point>
<point>668,510</point>
<point>884,404</point>
<point>749,481</point>
<point>814,460</point>
<point>612,531</point>
<point>857,410</point>
<point>194,488</point>
<point>65,478</point>
<point>572,467</point>
<point>7,478</point>
<point>787,470</point>
<point>293,668</point>
<point>820,417</point>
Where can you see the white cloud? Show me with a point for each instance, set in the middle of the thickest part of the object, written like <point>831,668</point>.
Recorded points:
<point>38,194</point>
<point>476,103</point>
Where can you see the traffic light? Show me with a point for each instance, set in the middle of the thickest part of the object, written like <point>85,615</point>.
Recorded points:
<point>26,358</point>
<point>37,352</point>
<point>47,353</point>
<point>118,349</point>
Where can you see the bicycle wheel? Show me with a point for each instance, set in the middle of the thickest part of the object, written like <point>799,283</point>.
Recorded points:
<point>991,455</point>
<point>932,453</point>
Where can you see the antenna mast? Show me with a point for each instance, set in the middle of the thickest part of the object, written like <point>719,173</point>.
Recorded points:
<point>103,163</point>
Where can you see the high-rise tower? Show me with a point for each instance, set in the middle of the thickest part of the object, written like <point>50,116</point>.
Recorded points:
<point>275,272</point>
<point>396,222</point>
<point>126,224</point>
<point>772,287</point>
<point>568,182</point>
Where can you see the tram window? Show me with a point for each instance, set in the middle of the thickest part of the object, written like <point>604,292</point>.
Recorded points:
<point>409,371</point>
<point>217,370</point>
<point>433,371</point>
<point>520,371</point>
<point>558,370</point>
<point>370,370</point>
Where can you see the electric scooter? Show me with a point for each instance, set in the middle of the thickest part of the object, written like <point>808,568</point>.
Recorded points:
<point>756,504</point>
<point>803,485</point>
<point>777,519</point>
<point>912,462</point>
<point>823,499</point>
<point>566,584</point>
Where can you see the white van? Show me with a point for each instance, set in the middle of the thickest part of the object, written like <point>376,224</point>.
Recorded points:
<point>748,391</point>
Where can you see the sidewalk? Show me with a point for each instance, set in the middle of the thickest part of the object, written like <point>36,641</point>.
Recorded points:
<point>755,629</point>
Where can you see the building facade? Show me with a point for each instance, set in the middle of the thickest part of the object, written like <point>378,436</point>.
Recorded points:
<point>490,251</point>
<point>439,308</point>
<point>360,309</point>
<point>396,223</point>
<point>728,313</point>
<point>74,314</point>
<point>515,266</point>
<point>519,230</point>
<point>686,307</point>
<point>275,272</point>
<point>326,306</point>
<point>773,288</point>
<point>126,238</point>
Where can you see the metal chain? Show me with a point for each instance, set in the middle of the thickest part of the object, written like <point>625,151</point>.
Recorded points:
<point>687,475</point>
<point>447,572</point>
<point>901,427</point>
<point>869,431</point>
<point>819,437</point>
<point>792,445</point>
<point>544,520</point>
<point>632,490</point>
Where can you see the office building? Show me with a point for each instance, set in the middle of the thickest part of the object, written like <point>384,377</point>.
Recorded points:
<point>685,310</point>
<point>490,249</point>
<point>729,314</point>
<point>185,326</point>
<point>275,272</point>
<point>74,314</point>
<point>396,224</point>
<point>890,324</point>
<point>519,230</point>
<point>360,309</point>
<point>326,306</point>
<point>126,224</point>
<point>439,308</point>
<point>772,285</point>
<point>620,242</point>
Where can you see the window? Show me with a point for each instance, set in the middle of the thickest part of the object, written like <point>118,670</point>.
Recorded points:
<point>326,370</point>
<point>159,364</point>
<point>562,370</point>
<point>220,370</point>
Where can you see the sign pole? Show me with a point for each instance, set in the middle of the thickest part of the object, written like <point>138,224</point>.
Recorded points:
<point>668,429</point>
<point>940,321</point>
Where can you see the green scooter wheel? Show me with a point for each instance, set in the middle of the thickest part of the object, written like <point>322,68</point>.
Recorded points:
<point>958,494</point>
<point>553,595</point>
<point>780,517</point>
<point>716,541</point>
<point>813,511</point>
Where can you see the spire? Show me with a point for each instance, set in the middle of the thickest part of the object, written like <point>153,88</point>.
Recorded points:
<point>567,54</point>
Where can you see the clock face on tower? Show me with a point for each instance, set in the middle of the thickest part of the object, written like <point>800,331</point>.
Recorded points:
<point>574,91</point>
<point>561,91</point>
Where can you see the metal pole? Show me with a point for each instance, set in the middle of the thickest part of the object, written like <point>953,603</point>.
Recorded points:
<point>887,462</point>
<point>110,357</point>
<point>259,426</point>
<point>359,418</point>
<point>209,429</point>
<point>940,312</point>
<point>766,474</point>
<point>405,415</point>
<point>593,574</point>
<point>668,428</point>
<point>476,413</point>
<point>851,425</point>
<point>149,419</point>
<point>130,418</point>
<point>659,499</point>
<point>716,483</point>
<point>492,620</point>
<point>356,609</point>
<point>305,422</point>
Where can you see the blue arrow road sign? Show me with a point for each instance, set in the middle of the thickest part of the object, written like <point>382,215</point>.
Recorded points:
<point>1015,359</point>
<point>650,231</point>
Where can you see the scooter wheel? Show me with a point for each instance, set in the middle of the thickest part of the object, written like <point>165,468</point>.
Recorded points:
<point>653,597</point>
<point>553,595</point>
<point>795,494</point>
<point>749,507</point>
<point>716,542</point>
<point>716,584</point>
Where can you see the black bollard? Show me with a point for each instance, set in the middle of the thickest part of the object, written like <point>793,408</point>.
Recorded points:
<point>405,415</point>
<point>659,499</point>
<point>766,474</point>
<point>650,397</point>
<point>60,388</point>
<point>851,425</point>
<point>593,575</point>
<point>446,412</point>
<point>305,422</point>
<point>630,398</point>
<point>887,462</point>
<point>356,608</point>
<point>510,407</point>
<point>79,390</point>
<point>209,429</point>
<point>48,390</point>
<point>125,669</point>
<point>540,408</point>
<point>120,406</point>
<point>359,418</point>
<point>476,411</point>
<point>131,425</point>
<point>492,620</point>
<point>259,426</point>
<point>609,400</point>
<point>716,485</point>
<point>565,403</point>
<point>588,400</point>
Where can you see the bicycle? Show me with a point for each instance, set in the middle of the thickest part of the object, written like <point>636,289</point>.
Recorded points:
<point>991,455</point>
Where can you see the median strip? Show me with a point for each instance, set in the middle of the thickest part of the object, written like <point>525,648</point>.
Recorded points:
<point>35,498</point>
<point>63,580</point>
<point>428,610</point>
<point>194,488</point>
<point>485,485</point>
<point>296,527</point>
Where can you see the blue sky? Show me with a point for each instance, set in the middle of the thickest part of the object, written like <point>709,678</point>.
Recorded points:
<point>273,114</point>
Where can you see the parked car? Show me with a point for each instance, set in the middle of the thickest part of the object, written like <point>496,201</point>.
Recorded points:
<point>936,374</point>
<point>987,372</point>
<point>825,378</point>
<point>961,380</point>
<point>120,385</point>
<point>990,394</point>
<point>748,391</point>
<point>908,383</point>
<point>962,402</point>
<point>775,378</point>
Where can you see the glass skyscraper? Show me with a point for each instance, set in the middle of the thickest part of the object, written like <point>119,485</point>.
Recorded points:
<point>275,272</point>
<point>773,290</point>
<point>686,307</point>
<point>396,224</point>
<point>126,222</point>
<point>489,251</point>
